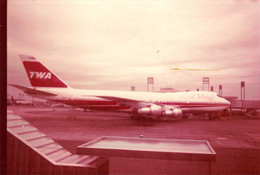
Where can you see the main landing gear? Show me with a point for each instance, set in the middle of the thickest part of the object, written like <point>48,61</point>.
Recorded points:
<point>217,115</point>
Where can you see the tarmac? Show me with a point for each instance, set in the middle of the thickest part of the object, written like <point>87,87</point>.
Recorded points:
<point>235,139</point>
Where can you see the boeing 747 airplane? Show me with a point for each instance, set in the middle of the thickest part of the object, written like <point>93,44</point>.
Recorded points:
<point>46,85</point>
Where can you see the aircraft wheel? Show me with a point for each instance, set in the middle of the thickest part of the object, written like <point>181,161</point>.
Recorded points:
<point>151,119</point>
<point>227,112</point>
<point>133,117</point>
<point>210,116</point>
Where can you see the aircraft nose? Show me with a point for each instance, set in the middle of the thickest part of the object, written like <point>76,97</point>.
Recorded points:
<point>226,102</point>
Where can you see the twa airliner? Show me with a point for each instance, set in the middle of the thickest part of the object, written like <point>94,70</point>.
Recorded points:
<point>46,85</point>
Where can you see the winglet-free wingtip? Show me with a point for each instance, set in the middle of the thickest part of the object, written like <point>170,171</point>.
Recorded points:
<point>16,86</point>
<point>12,85</point>
<point>27,58</point>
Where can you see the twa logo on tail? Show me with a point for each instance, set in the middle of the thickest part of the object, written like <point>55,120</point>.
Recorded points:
<point>40,75</point>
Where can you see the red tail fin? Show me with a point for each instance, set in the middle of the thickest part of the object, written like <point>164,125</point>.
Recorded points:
<point>39,75</point>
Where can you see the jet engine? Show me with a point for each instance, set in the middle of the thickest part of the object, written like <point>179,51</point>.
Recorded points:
<point>175,112</point>
<point>155,110</point>
<point>152,110</point>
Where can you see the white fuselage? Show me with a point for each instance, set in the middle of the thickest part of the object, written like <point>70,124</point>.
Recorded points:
<point>187,101</point>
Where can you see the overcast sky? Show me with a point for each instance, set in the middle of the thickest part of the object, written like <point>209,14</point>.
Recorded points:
<point>114,45</point>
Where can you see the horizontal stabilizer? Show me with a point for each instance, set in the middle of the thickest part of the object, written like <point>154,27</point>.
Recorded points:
<point>32,91</point>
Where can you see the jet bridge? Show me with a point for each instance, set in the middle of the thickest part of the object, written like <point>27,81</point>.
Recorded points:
<point>247,107</point>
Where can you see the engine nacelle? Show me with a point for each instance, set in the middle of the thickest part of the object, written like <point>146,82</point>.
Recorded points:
<point>155,110</point>
<point>175,112</point>
<point>152,110</point>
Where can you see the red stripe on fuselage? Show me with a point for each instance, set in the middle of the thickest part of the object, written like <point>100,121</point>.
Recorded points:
<point>86,102</point>
<point>197,104</point>
<point>105,104</point>
<point>94,104</point>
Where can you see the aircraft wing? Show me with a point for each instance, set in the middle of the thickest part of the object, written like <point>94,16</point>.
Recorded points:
<point>126,101</point>
<point>32,91</point>
<point>146,107</point>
